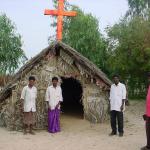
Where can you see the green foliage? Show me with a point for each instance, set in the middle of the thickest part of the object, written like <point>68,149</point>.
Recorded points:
<point>11,54</point>
<point>82,33</point>
<point>139,8</point>
<point>129,52</point>
<point>129,47</point>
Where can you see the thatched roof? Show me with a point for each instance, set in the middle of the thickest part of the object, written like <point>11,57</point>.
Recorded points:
<point>84,62</point>
<point>4,79</point>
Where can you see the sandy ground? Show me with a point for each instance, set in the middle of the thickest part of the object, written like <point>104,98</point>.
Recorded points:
<point>78,134</point>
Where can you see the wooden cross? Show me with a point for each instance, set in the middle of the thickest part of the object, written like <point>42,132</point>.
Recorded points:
<point>60,13</point>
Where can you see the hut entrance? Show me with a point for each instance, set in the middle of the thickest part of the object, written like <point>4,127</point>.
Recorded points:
<point>72,97</point>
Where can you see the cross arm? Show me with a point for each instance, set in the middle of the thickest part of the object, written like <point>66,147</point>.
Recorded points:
<point>51,12</point>
<point>70,13</point>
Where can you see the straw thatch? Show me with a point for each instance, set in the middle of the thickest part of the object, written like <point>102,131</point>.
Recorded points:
<point>4,79</point>
<point>60,60</point>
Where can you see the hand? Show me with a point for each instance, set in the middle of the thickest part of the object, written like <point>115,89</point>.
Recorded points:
<point>144,117</point>
<point>57,105</point>
<point>121,108</point>
<point>127,103</point>
<point>49,107</point>
<point>21,107</point>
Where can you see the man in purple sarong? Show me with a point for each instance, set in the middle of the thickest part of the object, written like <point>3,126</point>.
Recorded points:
<point>54,98</point>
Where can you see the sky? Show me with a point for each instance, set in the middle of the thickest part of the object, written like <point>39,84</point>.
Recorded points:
<point>34,27</point>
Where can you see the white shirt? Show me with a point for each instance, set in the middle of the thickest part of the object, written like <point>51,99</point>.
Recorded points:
<point>53,96</point>
<point>117,94</point>
<point>29,96</point>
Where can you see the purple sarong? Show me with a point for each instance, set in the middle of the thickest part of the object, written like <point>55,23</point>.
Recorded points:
<point>53,120</point>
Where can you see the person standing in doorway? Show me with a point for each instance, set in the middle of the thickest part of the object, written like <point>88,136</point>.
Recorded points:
<point>28,96</point>
<point>117,105</point>
<point>147,117</point>
<point>53,99</point>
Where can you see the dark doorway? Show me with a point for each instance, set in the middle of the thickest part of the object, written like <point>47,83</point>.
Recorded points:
<point>72,97</point>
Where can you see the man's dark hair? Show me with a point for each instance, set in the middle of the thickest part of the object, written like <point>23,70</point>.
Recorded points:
<point>32,78</point>
<point>116,75</point>
<point>55,78</point>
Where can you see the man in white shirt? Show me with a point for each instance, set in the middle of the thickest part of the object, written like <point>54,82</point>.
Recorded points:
<point>117,105</point>
<point>28,96</point>
<point>54,98</point>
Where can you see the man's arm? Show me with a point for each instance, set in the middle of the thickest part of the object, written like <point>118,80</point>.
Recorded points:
<point>110,95</point>
<point>23,93</point>
<point>36,94</point>
<point>47,97</point>
<point>22,98</point>
<point>124,93</point>
<point>61,99</point>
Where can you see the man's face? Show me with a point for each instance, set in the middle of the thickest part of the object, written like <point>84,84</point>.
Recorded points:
<point>116,80</point>
<point>54,83</point>
<point>31,82</point>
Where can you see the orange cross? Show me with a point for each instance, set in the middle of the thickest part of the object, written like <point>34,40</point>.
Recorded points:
<point>60,13</point>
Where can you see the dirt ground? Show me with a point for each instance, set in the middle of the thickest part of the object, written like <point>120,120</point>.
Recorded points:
<point>79,134</point>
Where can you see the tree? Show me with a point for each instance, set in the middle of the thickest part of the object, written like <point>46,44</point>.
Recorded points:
<point>129,52</point>
<point>139,8</point>
<point>11,54</point>
<point>82,33</point>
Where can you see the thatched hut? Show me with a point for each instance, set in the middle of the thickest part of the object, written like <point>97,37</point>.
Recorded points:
<point>4,79</point>
<point>83,86</point>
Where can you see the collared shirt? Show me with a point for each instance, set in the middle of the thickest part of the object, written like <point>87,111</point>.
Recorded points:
<point>117,94</point>
<point>53,96</point>
<point>29,96</point>
<point>148,103</point>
